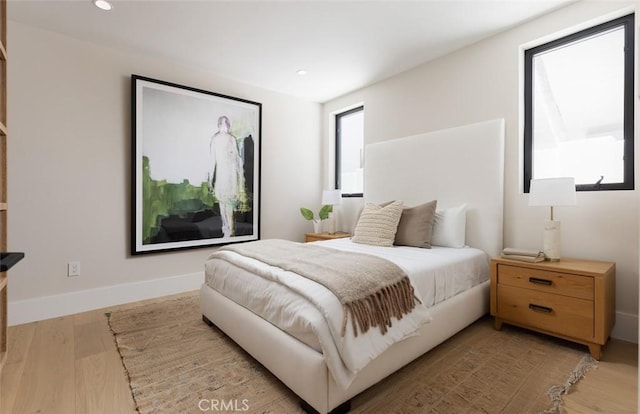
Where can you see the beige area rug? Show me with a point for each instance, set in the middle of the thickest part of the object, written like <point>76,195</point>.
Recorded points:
<point>178,364</point>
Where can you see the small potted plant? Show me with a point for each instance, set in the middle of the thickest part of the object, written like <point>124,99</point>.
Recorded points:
<point>323,214</point>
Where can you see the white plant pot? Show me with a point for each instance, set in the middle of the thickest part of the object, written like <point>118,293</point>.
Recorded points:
<point>317,227</point>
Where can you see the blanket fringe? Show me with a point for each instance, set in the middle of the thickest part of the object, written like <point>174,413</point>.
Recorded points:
<point>377,309</point>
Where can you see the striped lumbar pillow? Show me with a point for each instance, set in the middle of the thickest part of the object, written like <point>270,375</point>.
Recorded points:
<point>377,225</point>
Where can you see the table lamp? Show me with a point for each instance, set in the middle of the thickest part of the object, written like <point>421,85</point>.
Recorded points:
<point>560,191</point>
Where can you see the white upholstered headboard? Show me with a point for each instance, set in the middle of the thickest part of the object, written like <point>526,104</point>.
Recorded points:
<point>454,166</point>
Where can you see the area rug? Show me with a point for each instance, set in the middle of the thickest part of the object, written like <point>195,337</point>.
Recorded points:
<point>178,364</point>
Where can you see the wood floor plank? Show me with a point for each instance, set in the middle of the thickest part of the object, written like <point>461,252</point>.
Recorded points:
<point>101,382</point>
<point>92,338</point>
<point>47,384</point>
<point>101,385</point>
<point>19,341</point>
<point>89,316</point>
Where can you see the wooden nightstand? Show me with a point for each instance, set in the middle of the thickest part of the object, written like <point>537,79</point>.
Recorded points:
<point>572,299</point>
<point>311,237</point>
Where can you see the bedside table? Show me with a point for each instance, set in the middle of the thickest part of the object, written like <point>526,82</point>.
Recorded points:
<point>572,299</point>
<point>311,237</point>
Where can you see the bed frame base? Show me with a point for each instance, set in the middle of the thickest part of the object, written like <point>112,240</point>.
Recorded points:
<point>304,370</point>
<point>343,408</point>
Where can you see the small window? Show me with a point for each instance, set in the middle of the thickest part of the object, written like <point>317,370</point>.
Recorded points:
<point>578,108</point>
<point>350,152</point>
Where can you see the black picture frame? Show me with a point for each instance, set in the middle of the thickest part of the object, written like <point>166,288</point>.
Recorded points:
<point>195,167</point>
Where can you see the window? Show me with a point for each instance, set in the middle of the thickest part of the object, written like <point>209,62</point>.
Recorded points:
<point>350,152</point>
<point>578,108</point>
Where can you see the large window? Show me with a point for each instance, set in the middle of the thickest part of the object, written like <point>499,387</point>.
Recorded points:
<point>350,152</point>
<point>579,108</point>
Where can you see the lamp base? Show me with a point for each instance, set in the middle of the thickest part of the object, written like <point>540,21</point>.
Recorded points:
<point>331,222</point>
<point>551,247</point>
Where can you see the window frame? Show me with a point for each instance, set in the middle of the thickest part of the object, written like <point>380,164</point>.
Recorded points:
<point>338,155</point>
<point>628,23</point>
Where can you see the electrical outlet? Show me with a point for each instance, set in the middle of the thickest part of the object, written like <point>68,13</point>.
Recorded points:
<point>73,269</point>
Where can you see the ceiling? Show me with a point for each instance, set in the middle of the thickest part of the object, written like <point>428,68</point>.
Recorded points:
<point>343,45</point>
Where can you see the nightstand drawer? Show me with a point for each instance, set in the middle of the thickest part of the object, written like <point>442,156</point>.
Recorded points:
<point>546,281</point>
<point>554,313</point>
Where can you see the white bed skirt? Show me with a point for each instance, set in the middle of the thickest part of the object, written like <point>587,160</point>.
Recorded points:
<point>303,369</point>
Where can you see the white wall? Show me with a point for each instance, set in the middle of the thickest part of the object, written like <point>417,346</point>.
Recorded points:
<point>482,82</point>
<point>69,173</point>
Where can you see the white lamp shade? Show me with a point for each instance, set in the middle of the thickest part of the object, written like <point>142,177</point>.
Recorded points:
<point>559,191</point>
<point>331,197</point>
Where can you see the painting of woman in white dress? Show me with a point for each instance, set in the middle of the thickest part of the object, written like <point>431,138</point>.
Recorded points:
<point>227,174</point>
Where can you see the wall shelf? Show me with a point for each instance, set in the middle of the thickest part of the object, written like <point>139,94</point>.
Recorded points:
<point>8,259</point>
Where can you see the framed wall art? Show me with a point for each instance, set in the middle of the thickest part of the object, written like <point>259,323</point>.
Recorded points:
<point>195,167</point>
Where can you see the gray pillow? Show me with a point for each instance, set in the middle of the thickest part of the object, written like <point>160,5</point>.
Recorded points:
<point>416,226</point>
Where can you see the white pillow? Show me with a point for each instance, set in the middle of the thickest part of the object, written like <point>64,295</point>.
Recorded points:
<point>449,227</point>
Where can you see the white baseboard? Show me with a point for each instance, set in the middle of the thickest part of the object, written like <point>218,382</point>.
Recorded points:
<point>46,307</point>
<point>626,327</point>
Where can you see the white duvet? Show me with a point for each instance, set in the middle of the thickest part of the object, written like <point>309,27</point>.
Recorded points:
<point>311,313</point>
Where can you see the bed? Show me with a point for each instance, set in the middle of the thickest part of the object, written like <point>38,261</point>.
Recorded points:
<point>460,166</point>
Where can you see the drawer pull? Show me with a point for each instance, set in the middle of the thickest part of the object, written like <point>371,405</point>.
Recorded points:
<point>539,281</point>
<point>540,308</point>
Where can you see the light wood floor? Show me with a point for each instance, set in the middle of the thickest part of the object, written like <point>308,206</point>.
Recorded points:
<point>70,365</point>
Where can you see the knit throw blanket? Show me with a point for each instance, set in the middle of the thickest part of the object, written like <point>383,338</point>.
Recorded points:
<point>371,290</point>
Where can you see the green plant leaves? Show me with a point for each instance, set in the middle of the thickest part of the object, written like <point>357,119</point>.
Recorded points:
<point>306,213</point>
<point>323,214</point>
<point>324,211</point>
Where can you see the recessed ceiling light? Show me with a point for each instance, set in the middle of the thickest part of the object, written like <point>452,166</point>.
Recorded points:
<point>301,72</point>
<point>102,4</point>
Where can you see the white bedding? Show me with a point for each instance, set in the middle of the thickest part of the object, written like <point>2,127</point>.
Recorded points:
<point>436,274</point>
